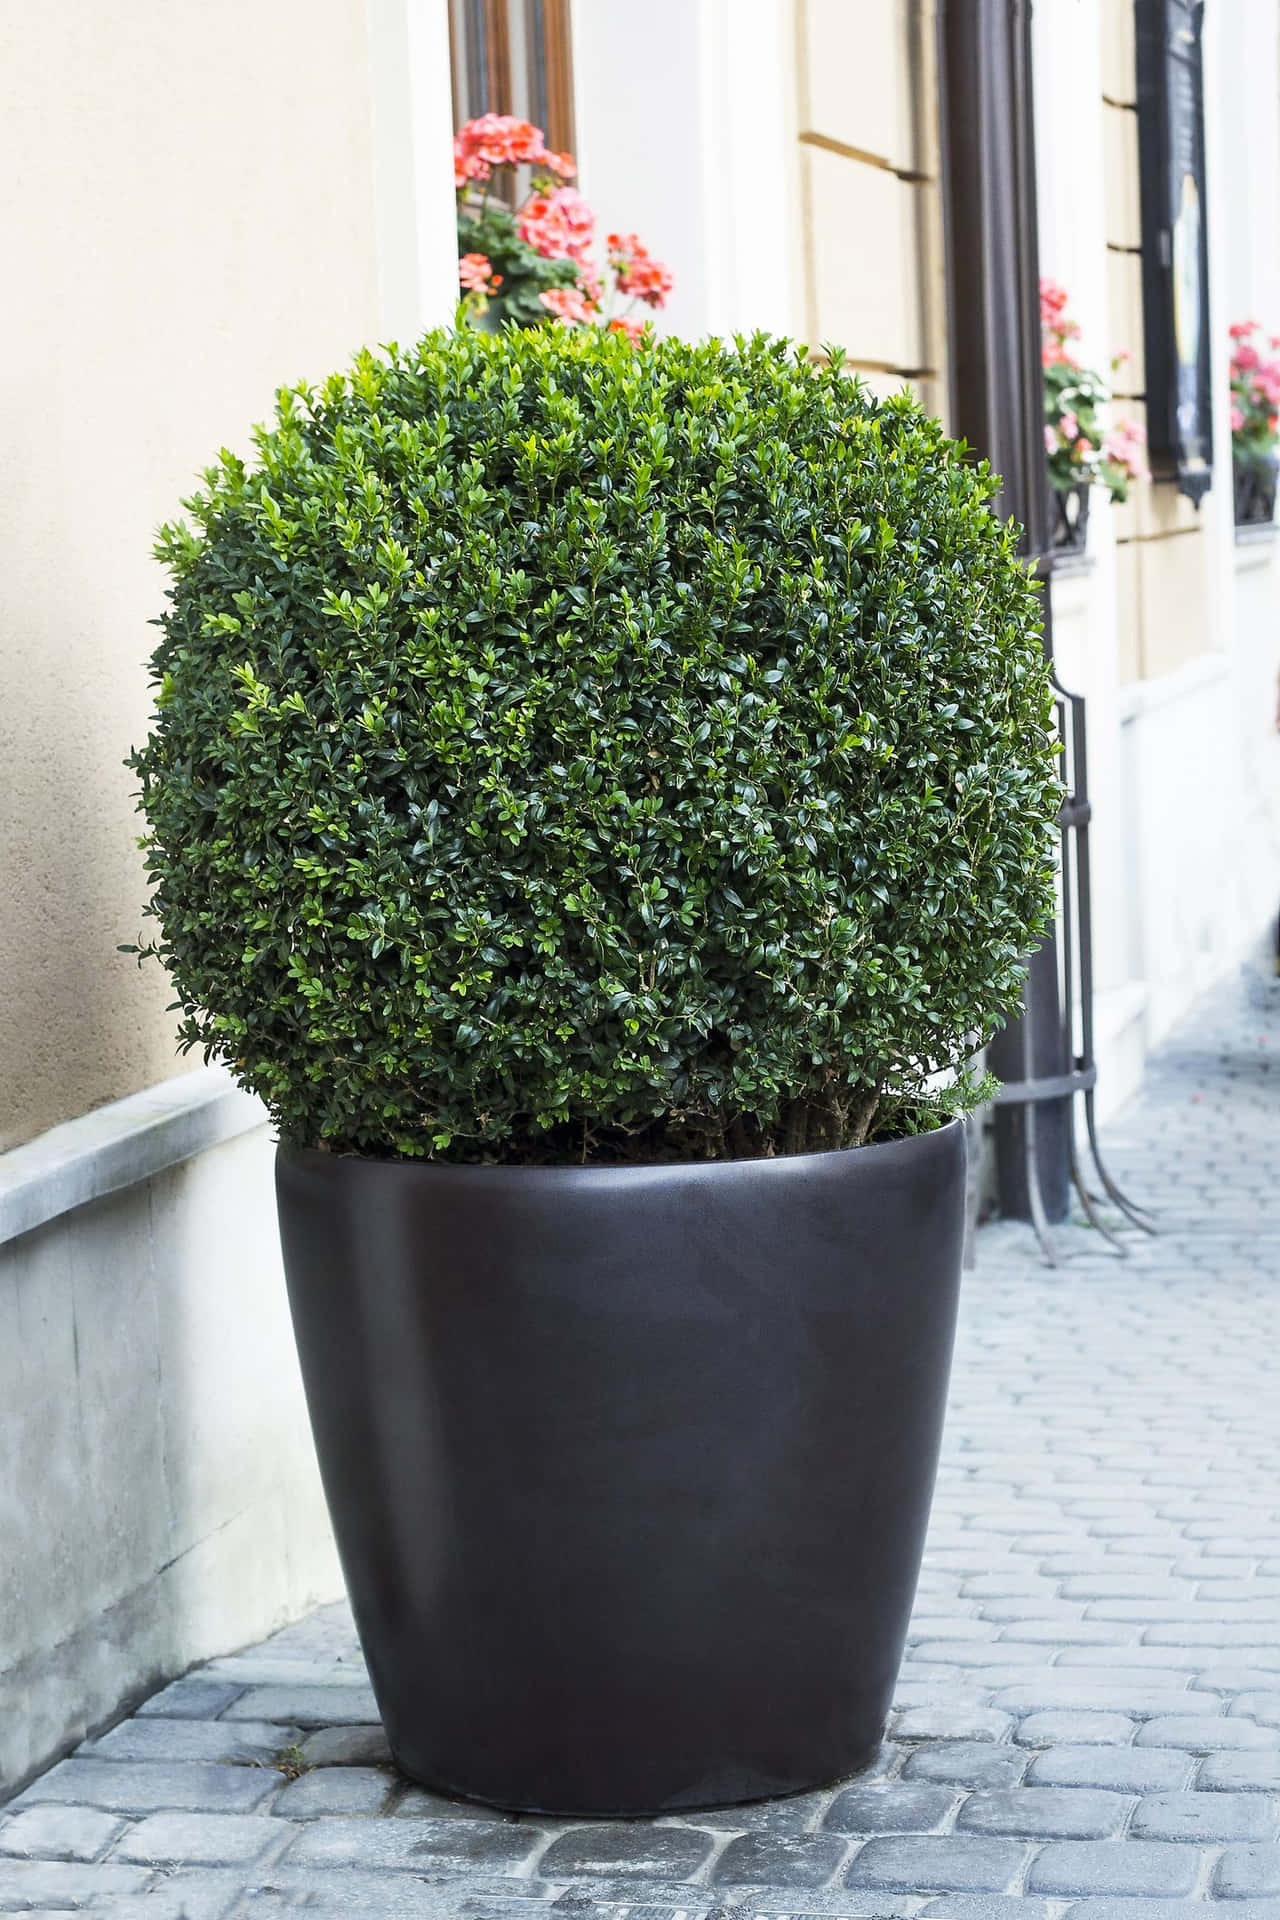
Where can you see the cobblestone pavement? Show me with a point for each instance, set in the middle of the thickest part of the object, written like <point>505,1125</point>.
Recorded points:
<point>1088,1722</point>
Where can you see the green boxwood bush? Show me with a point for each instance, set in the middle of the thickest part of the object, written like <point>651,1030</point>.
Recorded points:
<point>568,751</point>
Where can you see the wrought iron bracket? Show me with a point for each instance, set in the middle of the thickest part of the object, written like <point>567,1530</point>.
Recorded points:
<point>1075,941</point>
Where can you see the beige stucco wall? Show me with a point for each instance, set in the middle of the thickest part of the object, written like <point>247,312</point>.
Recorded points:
<point>187,205</point>
<point>1164,565</point>
<point>868,136</point>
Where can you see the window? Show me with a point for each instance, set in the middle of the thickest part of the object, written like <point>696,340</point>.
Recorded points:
<point>514,56</point>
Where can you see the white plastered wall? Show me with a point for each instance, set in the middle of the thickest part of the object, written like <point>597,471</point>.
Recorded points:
<point>686,137</point>
<point>1165,634</point>
<point>201,203</point>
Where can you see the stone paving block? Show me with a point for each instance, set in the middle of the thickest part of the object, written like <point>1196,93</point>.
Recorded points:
<point>987,1906</point>
<point>798,1813</point>
<point>896,1808</point>
<point>1045,1813</point>
<point>1144,1585</point>
<point>1240,1773</point>
<point>931,1625</point>
<point>1152,1666</point>
<point>1071,1693</point>
<point>1074,1729</point>
<point>780,1860</point>
<point>949,1863</point>
<point>976,1653</point>
<point>1008,1586</point>
<point>337,1706</point>
<point>1087,1563</point>
<point>965,1763</point>
<point>1245,1873</point>
<point>633,1849</point>
<point>58,1833</point>
<point>363,1746</point>
<point>1206,1817</point>
<point>811,1904</point>
<point>1067,1633</point>
<point>335,1790</point>
<point>257,1669</point>
<point>152,1786</point>
<point>159,1739</point>
<point>1012,1612</point>
<point>1200,1734</point>
<point>1223,1636</point>
<point>1153,1613</point>
<point>493,1845</point>
<point>192,1699</point>
<point>431,1890</point>
<point>1078,1867</point>
<point>1169,1910</point>
<point>1118,1769</point>
<point>201,1839</point>
<point>1262,1707</point>
<point>1212,1589</point>
<point>1235,1679</point>
<point>195,1893</point>
<point>952,1723</point>
<point>26,1884</point>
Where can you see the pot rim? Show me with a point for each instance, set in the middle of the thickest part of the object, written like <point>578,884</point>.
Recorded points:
<point>630,1171</point>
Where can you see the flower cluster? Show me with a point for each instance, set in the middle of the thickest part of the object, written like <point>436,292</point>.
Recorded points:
<point>535,266</point>
<point>476,275</point>
<point>636,272</point>
<point>1081,450</point>
<point>1124,448</point>
<point>559,225</point>
<point>1255,393</point>
<point>500,140</point>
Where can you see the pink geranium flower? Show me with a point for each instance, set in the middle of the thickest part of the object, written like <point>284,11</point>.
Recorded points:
<point>638,273</point>
<point>554,222</point>
<point>475,272</point>
<point>559,225</point>
<point>568,304</point>
<point>634,329</point>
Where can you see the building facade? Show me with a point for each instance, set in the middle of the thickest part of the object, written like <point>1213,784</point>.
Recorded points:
<point>206,203</point>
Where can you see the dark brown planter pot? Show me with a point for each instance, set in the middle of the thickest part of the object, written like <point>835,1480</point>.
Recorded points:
<point>629,1468</point>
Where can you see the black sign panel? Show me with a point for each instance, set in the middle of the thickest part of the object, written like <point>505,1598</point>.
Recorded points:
<point>1175,243</point>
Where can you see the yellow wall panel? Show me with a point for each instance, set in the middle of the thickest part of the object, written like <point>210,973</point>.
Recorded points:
<point>1124,317</point>
<point>1119,61</point>
<point>856,77</point>
<point>1128,613</point>
<point>1163,510</point>
<point>1123,204</point>
<point>1175,601</point>
<point>863,253</point>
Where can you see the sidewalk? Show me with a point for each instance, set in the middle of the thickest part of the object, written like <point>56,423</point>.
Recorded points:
<point>1088,1721</point>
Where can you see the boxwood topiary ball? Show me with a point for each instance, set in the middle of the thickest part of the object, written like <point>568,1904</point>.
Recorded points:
<point>572,751</point>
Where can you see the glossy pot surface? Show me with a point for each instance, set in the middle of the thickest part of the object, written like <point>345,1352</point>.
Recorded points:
<point>629,1468</point>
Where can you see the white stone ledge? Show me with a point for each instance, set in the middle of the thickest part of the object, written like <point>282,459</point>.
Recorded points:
<point>1145,696</point>
<point>117,1146</point>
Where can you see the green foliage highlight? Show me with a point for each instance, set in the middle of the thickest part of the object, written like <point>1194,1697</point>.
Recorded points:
<point>567,751</point>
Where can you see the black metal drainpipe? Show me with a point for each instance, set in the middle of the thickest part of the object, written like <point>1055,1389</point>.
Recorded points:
<point>993,275</point>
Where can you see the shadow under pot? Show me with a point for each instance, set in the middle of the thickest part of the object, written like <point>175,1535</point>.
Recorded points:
<point>629,1467</point>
